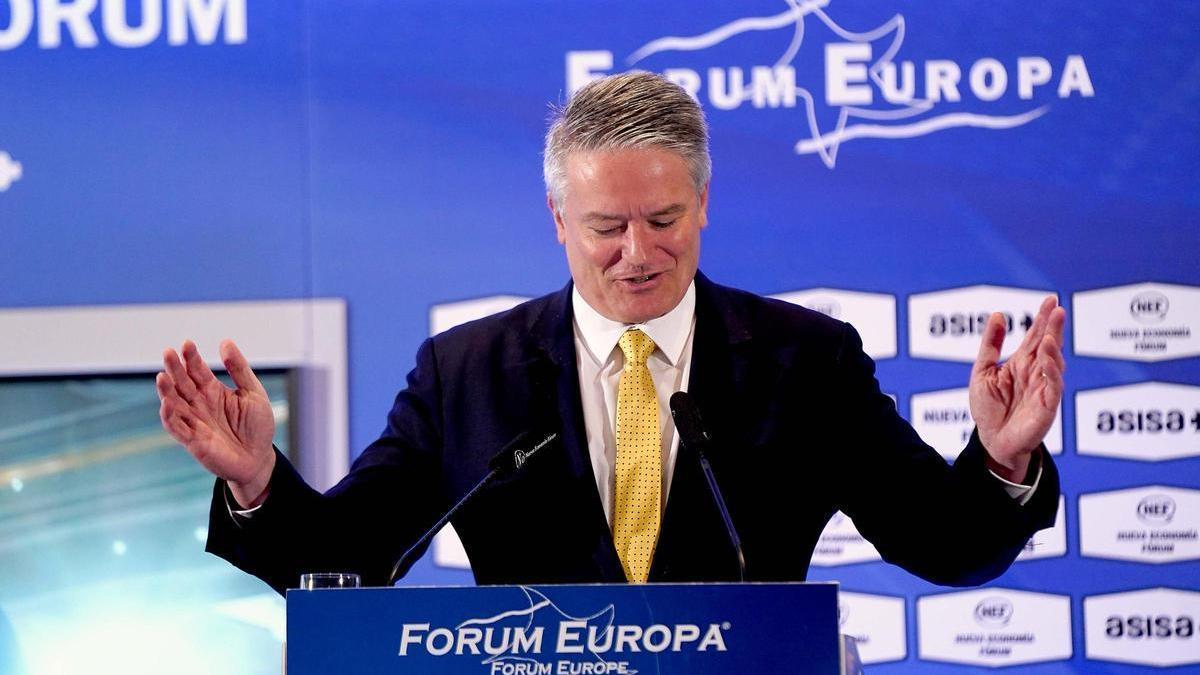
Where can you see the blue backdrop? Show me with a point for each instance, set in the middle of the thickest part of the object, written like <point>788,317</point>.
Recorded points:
<point>389,153</point>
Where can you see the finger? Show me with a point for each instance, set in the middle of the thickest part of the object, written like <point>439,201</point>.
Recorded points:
<point>239,368</point>
<point>989,346</point>
<point>1037,329</point>
<point>178,374</point>
<point>1058,321</point>
<point>174,422</point>
<point>1051,389</point>
<point>178,429</point>
<point>170,398</point>
<point>165,386</point>
<point>197,369</point>
<point>1049,371</point>
<point>1056,353</point>
<point>1049,351</point>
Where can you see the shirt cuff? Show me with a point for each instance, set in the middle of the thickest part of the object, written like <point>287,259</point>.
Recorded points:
<point>1021,493</point>
<point>237,513</point>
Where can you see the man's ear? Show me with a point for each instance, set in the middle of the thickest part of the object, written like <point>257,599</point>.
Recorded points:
<point>703,215</point>
<point>559,226</point>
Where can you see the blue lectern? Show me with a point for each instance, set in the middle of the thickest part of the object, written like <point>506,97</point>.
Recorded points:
<point>687,629</point>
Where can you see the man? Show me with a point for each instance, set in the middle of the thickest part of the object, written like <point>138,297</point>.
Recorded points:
<point>802,428</point>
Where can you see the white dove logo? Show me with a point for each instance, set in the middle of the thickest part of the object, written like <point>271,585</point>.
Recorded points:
<point>597,623</point>
<point>856,71</point>
<point>10,171</point>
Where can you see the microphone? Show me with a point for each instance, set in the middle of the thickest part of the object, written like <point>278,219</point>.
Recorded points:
<point>694,435</point>
<point>505,464</point>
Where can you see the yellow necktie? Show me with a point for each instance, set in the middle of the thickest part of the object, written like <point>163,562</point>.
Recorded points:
<point>639,460</point>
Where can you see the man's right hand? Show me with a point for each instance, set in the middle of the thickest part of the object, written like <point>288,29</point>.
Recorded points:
<point>229,431</point>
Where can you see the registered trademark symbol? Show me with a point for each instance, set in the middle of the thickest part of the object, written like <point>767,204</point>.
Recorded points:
<point>726,626</point>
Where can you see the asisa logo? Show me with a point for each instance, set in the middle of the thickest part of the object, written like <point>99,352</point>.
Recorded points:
<point>542,638</point>
<point>870,89</point>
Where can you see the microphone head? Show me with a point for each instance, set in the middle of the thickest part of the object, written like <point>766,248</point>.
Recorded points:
<point>513,457</point>
<point>686,414</point>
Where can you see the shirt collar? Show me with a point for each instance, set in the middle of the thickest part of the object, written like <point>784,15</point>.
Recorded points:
<point>669,331</point>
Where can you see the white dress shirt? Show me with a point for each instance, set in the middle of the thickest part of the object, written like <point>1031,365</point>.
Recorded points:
<point>600,362</point>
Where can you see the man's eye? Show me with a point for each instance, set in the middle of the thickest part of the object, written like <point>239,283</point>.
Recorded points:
<point>662,223</point>
<point>607,231</point>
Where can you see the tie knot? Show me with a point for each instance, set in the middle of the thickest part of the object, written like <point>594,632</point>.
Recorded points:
<point>636,346</point>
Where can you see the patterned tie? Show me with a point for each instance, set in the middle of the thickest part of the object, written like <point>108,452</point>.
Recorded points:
<point>639,460</point>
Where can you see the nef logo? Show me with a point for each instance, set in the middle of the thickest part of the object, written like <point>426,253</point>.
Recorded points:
<point>1156,509</point>
<point>1162,626</point>
<point>873,315</point>
<point>846,85</point>
<point>993,612</point>
<point>1143,322</point>
<point>1149,307</point>
<point>825,305</point>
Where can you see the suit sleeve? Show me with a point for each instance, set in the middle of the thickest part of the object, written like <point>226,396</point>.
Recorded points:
<point>364,523</point>
<point>951,525</point>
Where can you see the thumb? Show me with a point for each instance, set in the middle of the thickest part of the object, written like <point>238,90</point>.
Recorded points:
<point>239,368</point>
<point>989,346</point>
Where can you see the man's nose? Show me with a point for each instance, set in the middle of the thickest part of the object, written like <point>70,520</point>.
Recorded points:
<point>636,246</point>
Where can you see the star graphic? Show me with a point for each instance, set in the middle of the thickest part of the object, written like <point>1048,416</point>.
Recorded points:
<point>10,171</point>
<point>885,41</point>
<point>543,611</point>
<point>826,144</point>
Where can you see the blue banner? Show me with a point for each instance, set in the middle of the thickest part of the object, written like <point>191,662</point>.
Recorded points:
<point>688,629</point>
<point>903,165</point>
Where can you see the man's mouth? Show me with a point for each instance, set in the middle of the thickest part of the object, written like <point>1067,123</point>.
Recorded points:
<point>645,278</point>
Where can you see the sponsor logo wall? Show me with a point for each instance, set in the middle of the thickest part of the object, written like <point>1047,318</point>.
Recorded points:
<point>907,167</point>
<point>1153,627</point>
<point>1148,422</point>
<point>994,627</point>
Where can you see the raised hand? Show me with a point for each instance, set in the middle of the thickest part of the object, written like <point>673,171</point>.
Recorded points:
<point>1014,404</point>
<point>229,431</point>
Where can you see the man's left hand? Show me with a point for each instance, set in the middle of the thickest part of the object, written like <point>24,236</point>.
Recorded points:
<point>1015,403</point>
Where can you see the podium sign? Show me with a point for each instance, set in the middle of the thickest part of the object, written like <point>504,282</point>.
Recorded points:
<point>690,629</point>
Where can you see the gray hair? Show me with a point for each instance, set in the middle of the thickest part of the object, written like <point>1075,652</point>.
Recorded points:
<point>630,110</point>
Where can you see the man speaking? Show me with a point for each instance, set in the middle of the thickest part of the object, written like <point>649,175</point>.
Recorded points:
<point>800,429</point>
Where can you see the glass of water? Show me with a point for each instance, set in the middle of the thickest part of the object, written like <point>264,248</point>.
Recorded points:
<point>318,580</point>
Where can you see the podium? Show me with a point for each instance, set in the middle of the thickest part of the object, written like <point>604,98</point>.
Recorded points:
<point>692,629</point>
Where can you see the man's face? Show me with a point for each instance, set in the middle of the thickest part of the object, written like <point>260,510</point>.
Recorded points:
<point>631,227</point>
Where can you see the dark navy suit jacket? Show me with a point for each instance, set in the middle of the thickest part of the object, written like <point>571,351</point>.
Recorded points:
<point>801,429</point>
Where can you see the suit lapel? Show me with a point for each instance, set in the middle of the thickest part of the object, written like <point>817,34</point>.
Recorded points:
<point>555,337</point>
<point>719,364</point>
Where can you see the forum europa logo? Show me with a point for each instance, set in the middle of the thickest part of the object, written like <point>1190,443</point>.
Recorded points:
<point>541,639</point>
<point>869,89</point>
